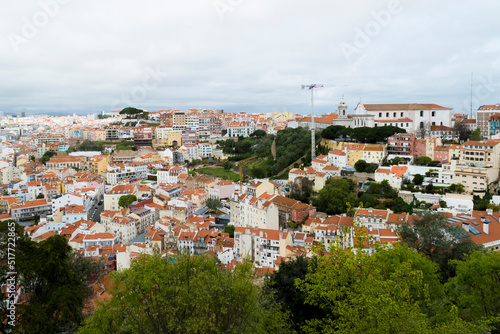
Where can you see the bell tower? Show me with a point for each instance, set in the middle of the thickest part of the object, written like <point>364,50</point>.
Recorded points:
<point>342,108</point>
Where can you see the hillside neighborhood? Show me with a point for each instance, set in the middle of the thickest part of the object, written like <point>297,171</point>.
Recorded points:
<point>244,188</point>
<point>48,181</point>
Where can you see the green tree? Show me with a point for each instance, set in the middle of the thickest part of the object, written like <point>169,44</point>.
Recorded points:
<point>40,196</point>
<point>392,291</point>
<point>258,133</point>
<point>55,282</point>
<point>418,179</point>
<point>229,229</point>
<point>360,166</point>
<point>131,111</point>
<point>432,235</point>
<point>476,287</point>
<point>335,195</point>
<point>213,204</point>
<point>46,156</point>
<point>228,165</point>
<point>126,201</point>
<point>475,135</point>
<point>456,188</point>
<point>281,285</point>
<point>462,130</point>
<point>186,295</point>
<point>371,168</point>
<point>423,160</point>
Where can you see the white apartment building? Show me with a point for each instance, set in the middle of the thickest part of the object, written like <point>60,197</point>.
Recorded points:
<point>337,158</point>
<point>133,172</point>
<point>261,246</point>
<point>170,174</point>
<point>255,212</point>
<point>205,150</point>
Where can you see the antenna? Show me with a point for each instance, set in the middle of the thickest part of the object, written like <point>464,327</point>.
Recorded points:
<point>471,78</point>
<point>313,133</point>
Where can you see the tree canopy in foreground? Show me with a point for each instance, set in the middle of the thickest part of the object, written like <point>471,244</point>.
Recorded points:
<point>186,295</point>
<point>390,291</point>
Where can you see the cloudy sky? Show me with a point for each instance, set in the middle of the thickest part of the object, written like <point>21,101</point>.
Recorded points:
<point>65,56</point>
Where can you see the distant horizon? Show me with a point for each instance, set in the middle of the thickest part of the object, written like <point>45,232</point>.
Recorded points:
<point>300,110</point>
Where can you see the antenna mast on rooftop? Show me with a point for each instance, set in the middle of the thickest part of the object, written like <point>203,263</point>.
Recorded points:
<point>313,133</point>
<point>471,77</point>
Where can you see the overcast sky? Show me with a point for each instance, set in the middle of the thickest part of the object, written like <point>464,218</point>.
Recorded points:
<point>65,56</point>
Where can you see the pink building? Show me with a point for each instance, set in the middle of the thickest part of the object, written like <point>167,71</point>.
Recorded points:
<point>420,148</point>
<point>441,154</point>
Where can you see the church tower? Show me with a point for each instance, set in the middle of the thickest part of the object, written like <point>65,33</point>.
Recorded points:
<point>342,109</point>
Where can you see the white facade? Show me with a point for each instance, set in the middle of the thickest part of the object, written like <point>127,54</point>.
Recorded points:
<point>251,212</point>
<point>205,150</point>
<point>71,199</point>
<point>337,158</point>
<point>411,117</point>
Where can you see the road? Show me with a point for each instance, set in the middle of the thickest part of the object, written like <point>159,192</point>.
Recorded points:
<point>95,212</point>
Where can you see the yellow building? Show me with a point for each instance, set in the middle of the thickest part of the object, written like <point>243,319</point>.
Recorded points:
<point>22,160</point>
<point>174,138</point>
<point>354,152</point>
<point>454,152</point>
<point>99,164</point>
<point>374,153</point>
<point>100,134</point>
<point>430,145</point>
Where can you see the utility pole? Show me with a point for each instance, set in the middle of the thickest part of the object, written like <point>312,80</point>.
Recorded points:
<point>313,133</point>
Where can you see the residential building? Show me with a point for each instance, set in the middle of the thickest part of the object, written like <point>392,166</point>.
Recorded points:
<point>483,116</point>
<point>30,209</point>
<point>337,158</point>
<point>394,175</point>
<point>112,197</point>
<point>401,145</point>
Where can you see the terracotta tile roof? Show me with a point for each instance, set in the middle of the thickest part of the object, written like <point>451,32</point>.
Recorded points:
<point>397,107</point>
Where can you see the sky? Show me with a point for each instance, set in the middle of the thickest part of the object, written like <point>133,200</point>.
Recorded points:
<point>68,56</point>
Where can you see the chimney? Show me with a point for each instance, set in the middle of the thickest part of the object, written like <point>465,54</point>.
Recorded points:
<point>486,226</point>
<point>482,219</point>
<point>489,212</point>
<point>465,226</point>
<point>281,235</point>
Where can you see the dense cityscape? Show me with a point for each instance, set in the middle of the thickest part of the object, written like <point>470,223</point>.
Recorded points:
<point>257,167</point>
<point>245,189</point>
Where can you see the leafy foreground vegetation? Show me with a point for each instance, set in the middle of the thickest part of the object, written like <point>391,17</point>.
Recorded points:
<point>394,290</point>
<point>186,295</point>
<point>55,282</point>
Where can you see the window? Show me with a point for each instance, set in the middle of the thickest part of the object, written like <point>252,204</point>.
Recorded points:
<point>379,114</point>
<point>421,113</point>
<point>386,114</point>
<point>401,114</point>
<point>394,115</point>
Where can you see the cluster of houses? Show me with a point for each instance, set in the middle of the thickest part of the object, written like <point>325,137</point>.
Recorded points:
<point>77,194</point>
